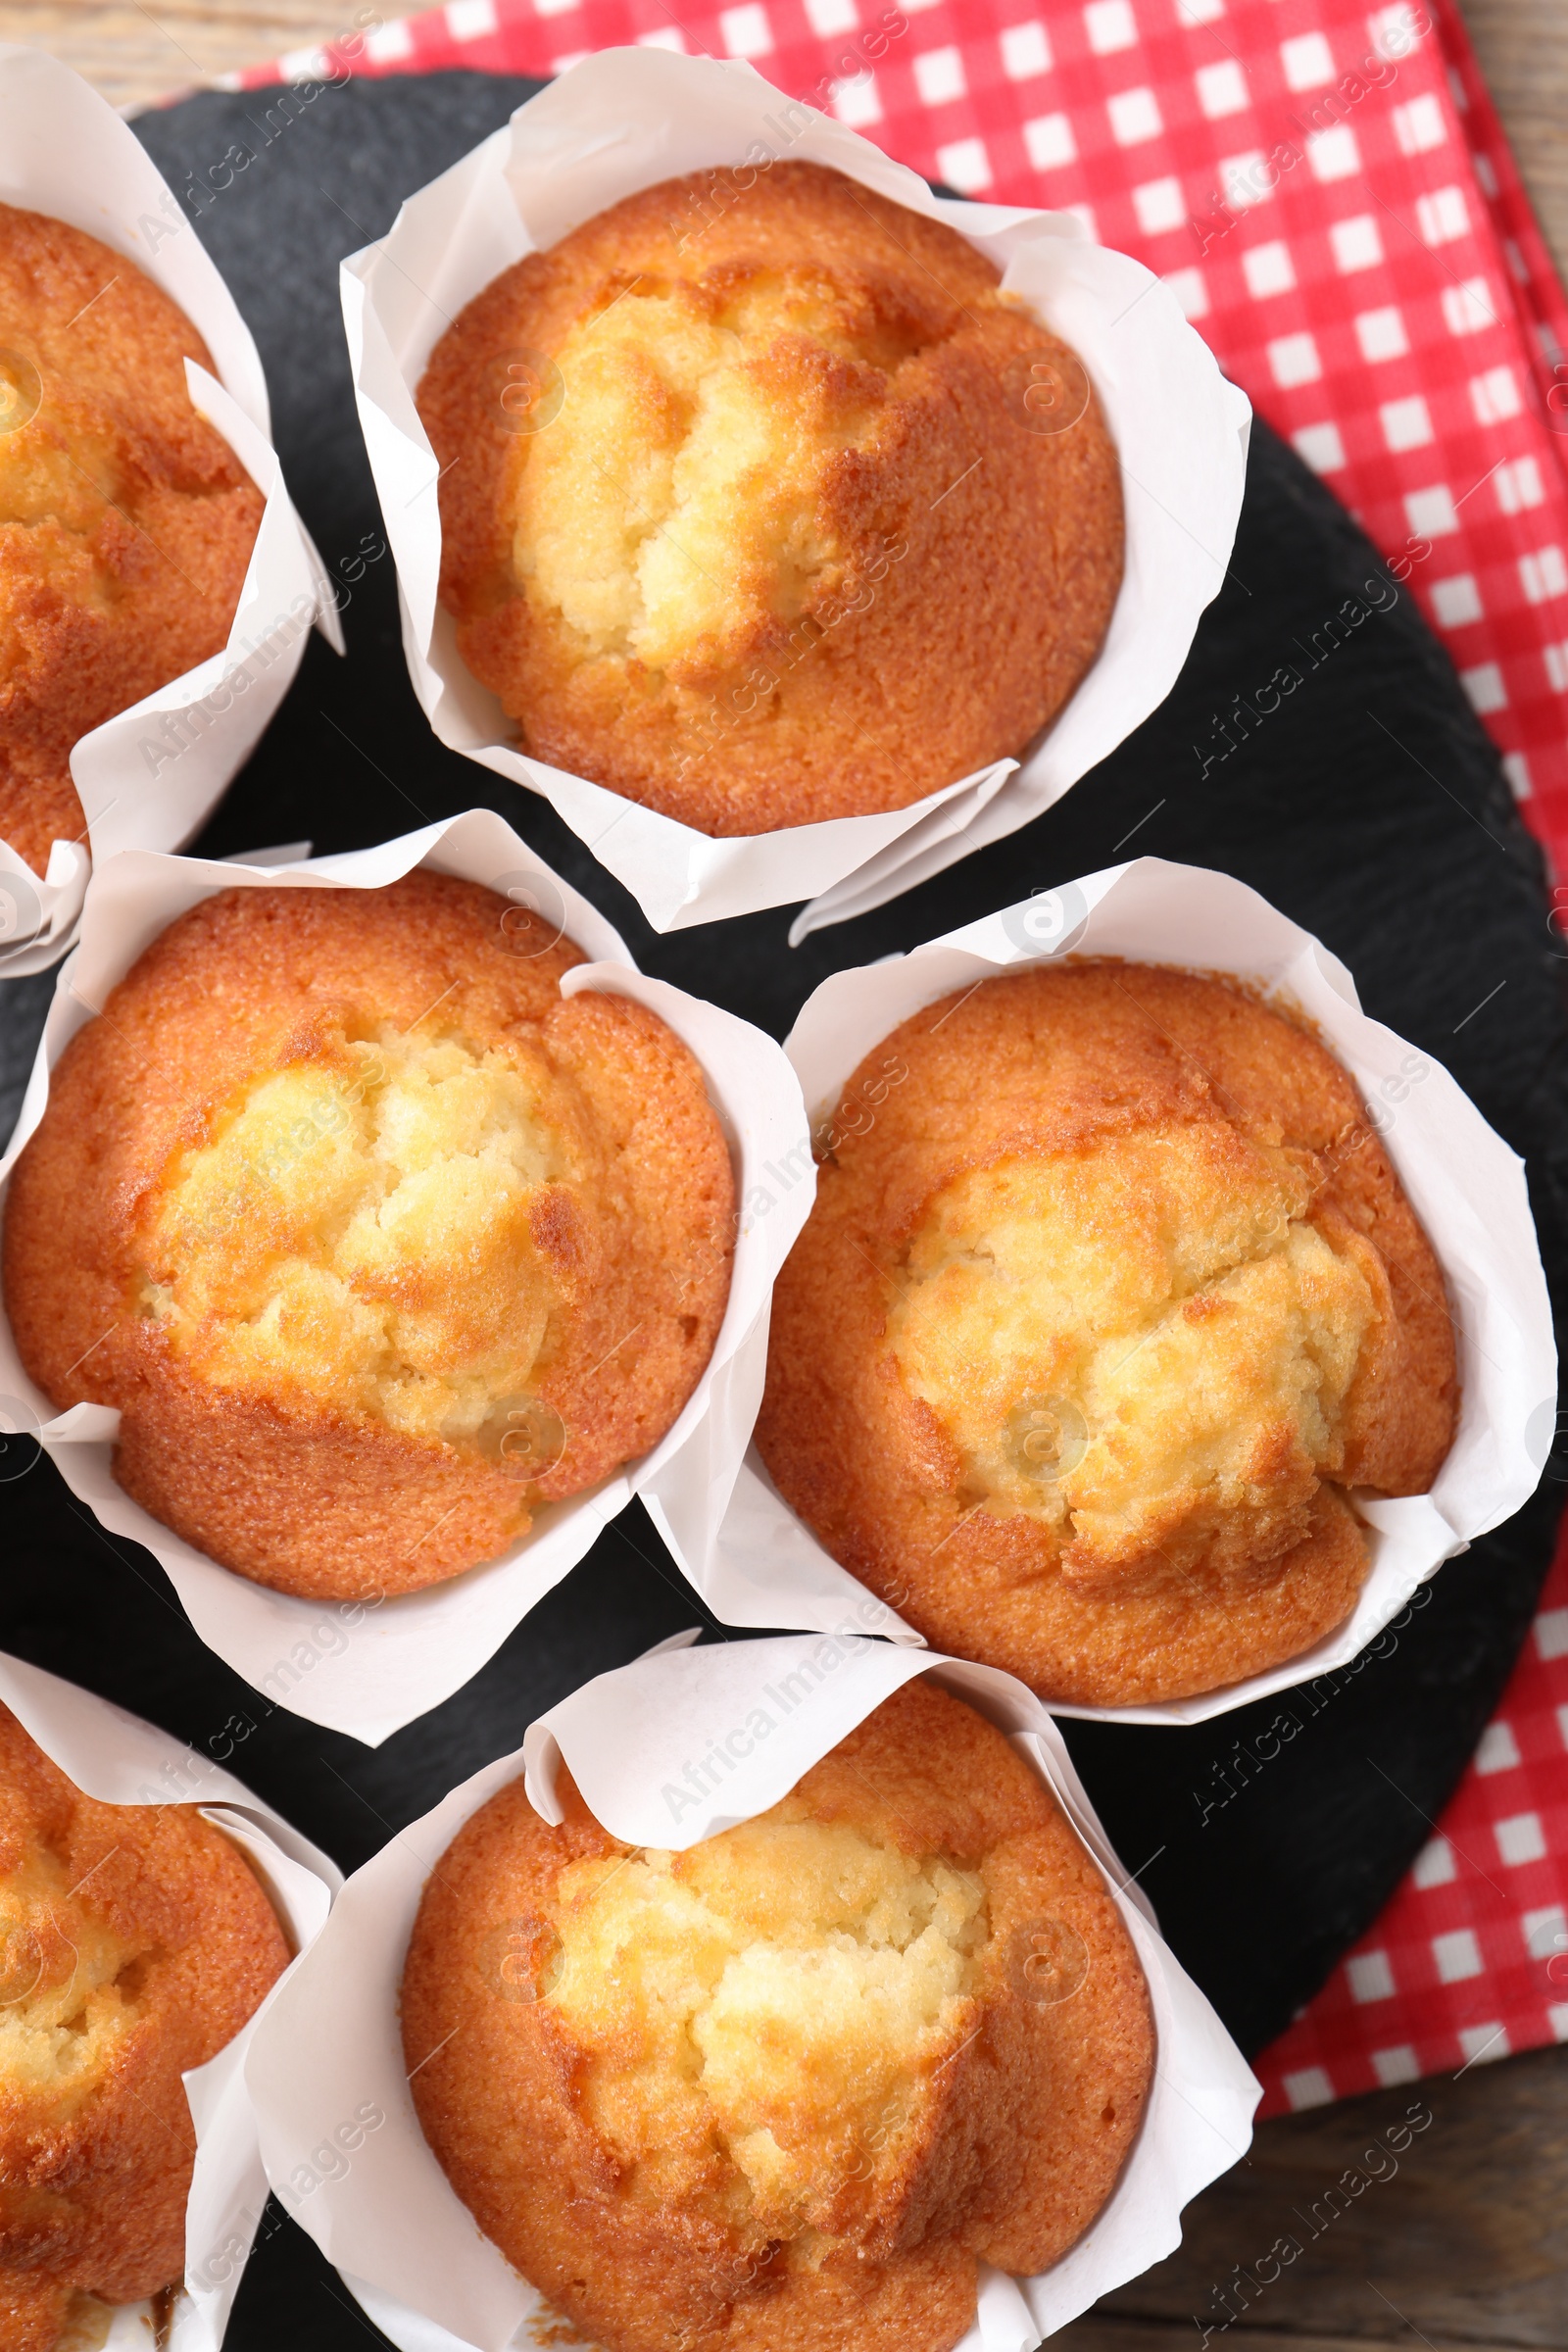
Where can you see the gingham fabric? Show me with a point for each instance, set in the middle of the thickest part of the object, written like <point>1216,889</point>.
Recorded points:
<point>1470,1959</point>
<point>1330,195</point>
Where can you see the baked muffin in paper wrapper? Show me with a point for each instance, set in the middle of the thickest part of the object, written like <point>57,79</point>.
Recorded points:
<point>626,119</point>
<point>120,1760</point>
<point>148,776</point>
<point>367,1667</point>
<point>1465,1184</point>
<point>383,2210</point>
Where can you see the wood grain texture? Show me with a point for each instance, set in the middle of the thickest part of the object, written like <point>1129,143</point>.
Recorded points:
<point>136,55</point>
<point>1523,48</point>
<point>1457,2239</point>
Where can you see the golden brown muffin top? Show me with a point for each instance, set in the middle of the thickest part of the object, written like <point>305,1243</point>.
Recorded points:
<point>135,1941</point>
<point>1115,1297</point>
<point>784,2089</point>
<point>718,476</point>
<point>126,521</point>
<point>344,1186</point>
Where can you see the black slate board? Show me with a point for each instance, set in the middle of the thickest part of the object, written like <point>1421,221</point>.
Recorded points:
<point>1375,813</point>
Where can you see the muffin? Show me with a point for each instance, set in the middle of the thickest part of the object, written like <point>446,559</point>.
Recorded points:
<point>126,521</point>
<point>135,1941</point>
<point>764,505</point>
<point>378,1243</point>
<point>1090,1334</point>
<point>786,2089</point>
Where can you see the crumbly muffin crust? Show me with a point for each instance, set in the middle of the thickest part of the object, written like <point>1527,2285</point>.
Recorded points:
<point>135,1943</point>
<point>126,521</point>
<point>1089,1334</point>
<point>786,2089</point>
<point>755,522</point>
<point>377,1241</point>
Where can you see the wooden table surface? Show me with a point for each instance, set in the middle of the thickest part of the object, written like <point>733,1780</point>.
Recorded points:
<point>1466,2245</point>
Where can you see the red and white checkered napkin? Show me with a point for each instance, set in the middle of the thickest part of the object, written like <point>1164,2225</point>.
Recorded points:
<point>1331,195</point>
<point>1470,1959</point>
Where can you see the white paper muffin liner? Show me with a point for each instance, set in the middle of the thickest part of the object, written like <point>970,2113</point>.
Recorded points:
<point>148,776</point>
<point>640,1742</point>
<point>1466,1185</point>
<point>625,120</point>
<point>120,1760</point>
<point>366,1667</point>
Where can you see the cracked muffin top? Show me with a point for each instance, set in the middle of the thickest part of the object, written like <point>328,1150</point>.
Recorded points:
<point>1091,1331</point>
<point>135,1941</point>
<point>762,504</point>
<point>789,2087</point>
<point>377,1241</point>
<point>126,521</point>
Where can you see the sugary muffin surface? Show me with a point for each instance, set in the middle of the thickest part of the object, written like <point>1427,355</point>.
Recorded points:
<point>135,1943</point>
<point>384,1241</point>
<point>786,2088</point>
<point>1087,1336</point>
<point>815,1973</point>
<point>753,522</point>
<point>406,1259</point>
<point>126,521</point>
